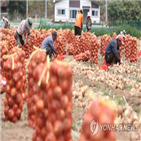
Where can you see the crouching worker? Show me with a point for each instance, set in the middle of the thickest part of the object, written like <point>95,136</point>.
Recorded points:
<point>48,44</point>
<point>112,54</point>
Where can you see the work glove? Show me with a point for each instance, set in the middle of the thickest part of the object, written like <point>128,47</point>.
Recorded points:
<point>28,41</point>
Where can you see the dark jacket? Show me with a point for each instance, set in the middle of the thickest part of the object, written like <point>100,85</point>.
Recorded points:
<point>112,47</point>
<point>88,23</point>
<point>48,42</point>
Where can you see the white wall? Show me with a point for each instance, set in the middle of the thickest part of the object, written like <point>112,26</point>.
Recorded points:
<point>96,18</point>
<point>64,4</point>
<point>72,8</point>
<point>85,3</point>
<point>88,3</point>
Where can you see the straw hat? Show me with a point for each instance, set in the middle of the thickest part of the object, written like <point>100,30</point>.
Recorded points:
<point>28,23</point>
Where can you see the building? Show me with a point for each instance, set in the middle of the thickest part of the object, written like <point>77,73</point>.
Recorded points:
<point>66,10</point>
<point>3,10</point>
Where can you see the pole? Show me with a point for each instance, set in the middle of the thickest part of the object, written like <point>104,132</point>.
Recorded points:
<point>106,11</point>
<point>26,8</point>
<point>0,9</point>
<point>45,9</point>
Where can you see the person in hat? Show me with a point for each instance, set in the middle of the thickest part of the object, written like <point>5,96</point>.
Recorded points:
<point>78,26</point>
<point>22,31</point>
<point>88,22</point>
<point>6,23</point>
<point>48,44</point>
<point>112,54</point>
<point>123,34</point>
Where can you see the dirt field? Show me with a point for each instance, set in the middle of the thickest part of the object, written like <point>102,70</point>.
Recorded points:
<point>21,132</point>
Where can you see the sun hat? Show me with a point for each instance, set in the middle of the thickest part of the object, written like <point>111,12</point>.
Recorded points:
<point>88,14</point>
<point>55,34</point>
<point>124,32</point>
<point>120,38</point>
<point>28,23</point>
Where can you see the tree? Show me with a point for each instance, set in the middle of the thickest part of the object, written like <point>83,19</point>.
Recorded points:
<point>19,6</point>
<point>124,10</point>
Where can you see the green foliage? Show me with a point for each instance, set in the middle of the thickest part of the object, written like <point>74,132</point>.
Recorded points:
<point>124,10</point>
<point>132,30</point>
<point>19,6</point>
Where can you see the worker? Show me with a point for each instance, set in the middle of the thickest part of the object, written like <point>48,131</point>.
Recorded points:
<point>88,22</point>
<point>48,44</point>
<point>23,30</point>
<point>6,23</point>
<point>78,23</point>
<point>112,54</point>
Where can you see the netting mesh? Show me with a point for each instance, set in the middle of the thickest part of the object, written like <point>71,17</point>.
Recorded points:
<point>133,23</point>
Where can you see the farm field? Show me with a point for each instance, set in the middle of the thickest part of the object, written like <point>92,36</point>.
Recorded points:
<point>121,83</point>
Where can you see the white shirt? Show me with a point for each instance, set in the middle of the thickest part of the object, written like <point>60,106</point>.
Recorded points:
<point>23,30</point>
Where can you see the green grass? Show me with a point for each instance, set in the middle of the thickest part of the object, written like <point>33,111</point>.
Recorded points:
<point>127,87</point>
<point>6,126</point>
<point>76,110</point>
<point>98,85</point>
<point>137,110</point>
<point>106,93</point>
<point>133,31</point>
<point>118,100</point>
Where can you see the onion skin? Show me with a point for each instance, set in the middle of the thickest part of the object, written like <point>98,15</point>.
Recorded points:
<point>14,74</point>
<point>102,114</point>
<point>53,114</point>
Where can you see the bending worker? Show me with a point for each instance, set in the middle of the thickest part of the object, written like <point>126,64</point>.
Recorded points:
<point>78,23</point>
<point>48,44</point>
<point>112,54</point>
<point>22,31</point>
<point>6,23</point>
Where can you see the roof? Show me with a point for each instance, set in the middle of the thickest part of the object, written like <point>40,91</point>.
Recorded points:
<point>80,0</point>
<point>94,2</point>
<point>57,1</point>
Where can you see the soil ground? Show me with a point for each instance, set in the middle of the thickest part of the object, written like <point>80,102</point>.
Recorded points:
<point>21,132</point>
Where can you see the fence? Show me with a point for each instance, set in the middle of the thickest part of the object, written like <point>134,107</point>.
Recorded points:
<point>132,23</point>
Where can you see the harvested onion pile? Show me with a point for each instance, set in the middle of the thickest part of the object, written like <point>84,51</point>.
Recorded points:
<point>4,51</point>
<point>70,49</point>
<point>76,46</point>
<point>99,113</point>
<point>15,75</point>
<point>126,116</point>
<point>94,50</point>
<point>39,103</point>
<point>37,58</point>
<point>60,43</point>
<point>131,48</point>
<point>83,44</point>
<point>21,54</point>
<point>103,45</point>
<point>70,36</point>
<point>8,35</point>
<point>83,56</point>
<point>54,106</point>
<point>114,35</point>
